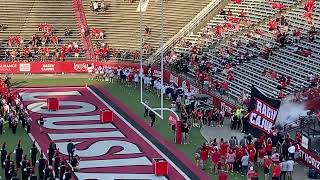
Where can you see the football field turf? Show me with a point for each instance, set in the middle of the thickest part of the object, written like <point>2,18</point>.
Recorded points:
<point>127,95</point>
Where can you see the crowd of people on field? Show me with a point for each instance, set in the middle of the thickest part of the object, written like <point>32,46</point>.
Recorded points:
<point>43,45</point>
<point>275,154</point>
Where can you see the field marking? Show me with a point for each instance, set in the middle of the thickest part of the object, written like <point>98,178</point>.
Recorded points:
<point>142,136</point>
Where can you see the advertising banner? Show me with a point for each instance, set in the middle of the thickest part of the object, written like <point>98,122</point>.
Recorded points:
<point>263,112</point>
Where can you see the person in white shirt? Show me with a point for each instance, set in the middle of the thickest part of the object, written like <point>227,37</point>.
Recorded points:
<point>284,169</point>
<point>292,150</point>
<point>290,164</point>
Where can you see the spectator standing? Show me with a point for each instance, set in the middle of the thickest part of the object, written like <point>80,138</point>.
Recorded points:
<point>291,150</point>
<point>290,164</point>
<point>244,164</point>
<point>266,167</point>
<point>276,172</point>
<point>152,118</point>
<point>70,149</point>
<point>284,169</point>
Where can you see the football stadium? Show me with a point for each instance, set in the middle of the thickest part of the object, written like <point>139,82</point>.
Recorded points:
<point>159,89</point>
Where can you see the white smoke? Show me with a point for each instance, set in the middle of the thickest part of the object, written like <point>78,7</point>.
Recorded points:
<point>290,111</point>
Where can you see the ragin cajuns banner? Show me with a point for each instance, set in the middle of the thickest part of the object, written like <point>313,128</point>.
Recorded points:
<point>263,112</point>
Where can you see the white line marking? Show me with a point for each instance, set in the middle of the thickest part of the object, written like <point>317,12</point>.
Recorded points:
<point>142,136</point>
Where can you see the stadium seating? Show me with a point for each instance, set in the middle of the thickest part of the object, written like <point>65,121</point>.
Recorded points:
<point>22,17</point>
<point>283,60</point>
<point>121,21</point>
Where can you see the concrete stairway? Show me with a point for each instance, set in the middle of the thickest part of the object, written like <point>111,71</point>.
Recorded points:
<point>23,16</point>
<point>121,21</point>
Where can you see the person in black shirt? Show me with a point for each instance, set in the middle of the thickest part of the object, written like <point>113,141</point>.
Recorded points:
<point>41,123</point>
<point>7,164</point>
<point>41,166</point>
<point>24,164</point>
<point>152,117</point>
<point>19,153</point>
<point>70,149</point>
<point>57,161</point>
<point>46,172</point>
<point>28,124</point>
<point>67,175</point>
<point>51,178</point>
<point>14,126</point>
<point>245,123</point>
<point>75,162</point>
<point>34,152</point>
<point>4,154</point>
<point>12,172</point>
<point>62,170</point>
<point>50,153</point>
<point>29,169</point>
<point>22,118</point>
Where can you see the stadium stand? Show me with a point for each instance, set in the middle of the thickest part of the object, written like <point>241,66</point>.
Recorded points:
<point>20,19</point>
<point>253,72</point>
<point>120,21</point>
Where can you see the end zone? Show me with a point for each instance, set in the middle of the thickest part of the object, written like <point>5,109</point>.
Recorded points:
<point>118,150</point>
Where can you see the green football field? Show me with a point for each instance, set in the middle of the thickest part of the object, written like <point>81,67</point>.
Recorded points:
<point>130,96</point>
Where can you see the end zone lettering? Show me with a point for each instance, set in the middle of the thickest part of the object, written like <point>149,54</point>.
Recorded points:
<point>263,116</point>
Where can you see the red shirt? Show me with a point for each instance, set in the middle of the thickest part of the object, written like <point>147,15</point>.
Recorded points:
<point>251,156</point>
<point>239,154</point>
<point>276,171</point>
<point>269,147</point>
<point>203,155</point>
<point>267,163</point>
<point>223,176</point>
<point>215,157</point>
<point>262,152</point>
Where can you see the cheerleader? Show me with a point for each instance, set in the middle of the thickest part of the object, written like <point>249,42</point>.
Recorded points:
<point>41,123</point>
<point>136,79</point>
<point>111,75</point>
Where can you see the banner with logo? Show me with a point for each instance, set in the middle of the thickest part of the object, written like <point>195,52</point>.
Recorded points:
<point>263,112</point>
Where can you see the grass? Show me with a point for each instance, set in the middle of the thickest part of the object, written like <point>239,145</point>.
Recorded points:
<point>130,96</point>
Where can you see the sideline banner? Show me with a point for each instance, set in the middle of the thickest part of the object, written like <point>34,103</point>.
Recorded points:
<point>263,112</point>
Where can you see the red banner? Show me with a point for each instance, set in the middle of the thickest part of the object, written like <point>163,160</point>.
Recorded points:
<point>310,159</point>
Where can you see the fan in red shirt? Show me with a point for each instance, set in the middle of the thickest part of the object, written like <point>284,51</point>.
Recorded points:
<point>252,155</point>
<point>276,171</point>
<point>272,25</point>
<point>261,153</point>
<point>104,52</point>
<point>242,13</point>
<point>269,147</point>
<point>252,173</point>
<point>203,157</point>
<point>266,166</point>
<point>215,157</point>
<point>223,175</point>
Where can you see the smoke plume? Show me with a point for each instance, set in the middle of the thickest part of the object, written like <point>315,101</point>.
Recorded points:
<point>290,111</point>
